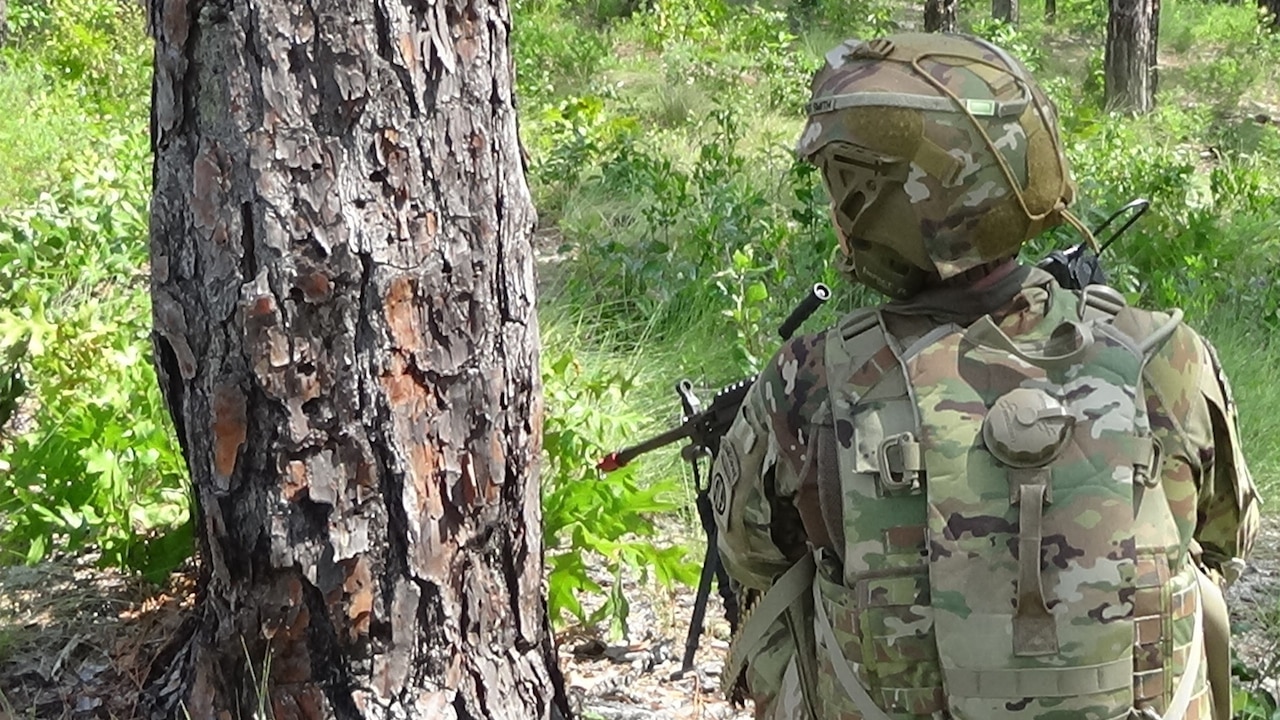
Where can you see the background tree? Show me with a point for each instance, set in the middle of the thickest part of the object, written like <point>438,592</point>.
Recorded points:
<point>1268,9</point>
<point>345,332</point>
<point>1130,60</point>
<point>940,15</point>
<point>1006,10</point>
<point>1050,11</point>
<point>4,20</point>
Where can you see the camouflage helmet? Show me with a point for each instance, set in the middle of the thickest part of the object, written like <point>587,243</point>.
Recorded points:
<point>940,155</point>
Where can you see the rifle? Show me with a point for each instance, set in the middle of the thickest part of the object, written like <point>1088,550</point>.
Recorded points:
<point>704,430</point>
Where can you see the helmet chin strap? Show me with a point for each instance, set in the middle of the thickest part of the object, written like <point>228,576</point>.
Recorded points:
<point>991,273</point>
<point>1074,222</point>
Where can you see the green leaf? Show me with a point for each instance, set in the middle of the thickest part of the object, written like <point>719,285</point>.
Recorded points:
<point>36,550</point>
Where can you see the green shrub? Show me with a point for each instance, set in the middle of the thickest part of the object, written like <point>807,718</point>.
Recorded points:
<point>97,48</point>
<point>554,53</point>
<point>588,517</point>
<point>93,462</point>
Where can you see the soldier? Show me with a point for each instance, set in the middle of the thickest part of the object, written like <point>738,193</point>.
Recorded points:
<point>990,498</point>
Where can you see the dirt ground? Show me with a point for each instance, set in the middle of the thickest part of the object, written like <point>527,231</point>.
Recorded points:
<point>77,642</point>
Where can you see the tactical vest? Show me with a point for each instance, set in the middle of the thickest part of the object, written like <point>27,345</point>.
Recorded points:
<point>1004,547</point>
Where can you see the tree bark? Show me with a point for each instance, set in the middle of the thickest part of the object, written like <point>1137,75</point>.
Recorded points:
<point>1129,63</point>
<point>940,16</point>
<point>344,329</point>
<point>1006,10</point>
<point>4,21</point>
<point>1050,11</point>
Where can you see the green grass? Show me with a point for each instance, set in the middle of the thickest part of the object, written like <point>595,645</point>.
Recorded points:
<point>1193,26</point>
<point>41,129</point>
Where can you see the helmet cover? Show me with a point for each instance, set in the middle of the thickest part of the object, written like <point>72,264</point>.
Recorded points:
<point>940,155</point>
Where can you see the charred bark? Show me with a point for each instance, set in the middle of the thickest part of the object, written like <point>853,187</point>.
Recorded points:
<point>344,326</point>
<point>940,16</point>
<point>1129,63</point>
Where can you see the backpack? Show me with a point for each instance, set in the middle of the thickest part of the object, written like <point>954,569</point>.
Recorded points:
<point>1003,547</point>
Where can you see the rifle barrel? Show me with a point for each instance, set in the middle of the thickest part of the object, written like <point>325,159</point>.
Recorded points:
<point>615,460</point>
<point>818,294</point>
<point>723,406</point>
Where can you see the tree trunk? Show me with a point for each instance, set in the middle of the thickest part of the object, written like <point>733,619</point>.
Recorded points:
<point>1132,41</point>
<point>1006,10</point>
<point>4,21</point>
<point>1153,58</point>
<point>343,302</point>
<point>1270,14</point>
<point>1050,11</point>
<point>940,16</point>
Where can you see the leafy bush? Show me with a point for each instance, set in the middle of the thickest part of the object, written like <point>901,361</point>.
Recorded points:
<point>554,52</point>
<point>88,457</point>
<point>586,516</point>
<point>92,462</point>
<point>717,238</point>
<point>95,47</point>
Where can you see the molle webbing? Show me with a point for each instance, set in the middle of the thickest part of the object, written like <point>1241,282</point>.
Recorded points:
<point>1074,511</point>
<point>1041,682</point>
<point>878,360</point>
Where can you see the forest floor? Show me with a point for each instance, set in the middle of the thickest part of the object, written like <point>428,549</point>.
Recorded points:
<point>76,642</point>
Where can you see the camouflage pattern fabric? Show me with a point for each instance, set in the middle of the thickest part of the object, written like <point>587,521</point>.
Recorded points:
<point>878,587</point>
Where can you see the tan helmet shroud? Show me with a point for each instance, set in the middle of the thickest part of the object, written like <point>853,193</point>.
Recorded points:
<point>901,128</point>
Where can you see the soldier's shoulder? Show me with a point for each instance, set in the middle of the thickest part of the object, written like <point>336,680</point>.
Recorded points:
<point>798,370</point>
<point>1185,349</point>
<point>1182,362</point>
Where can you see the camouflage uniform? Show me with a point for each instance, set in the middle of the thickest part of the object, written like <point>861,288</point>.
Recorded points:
<point>771,486</point>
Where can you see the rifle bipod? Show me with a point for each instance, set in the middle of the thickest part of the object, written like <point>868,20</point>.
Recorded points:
<point>711,565</point>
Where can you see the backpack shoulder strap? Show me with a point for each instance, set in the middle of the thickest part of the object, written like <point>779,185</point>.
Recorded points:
<point>859,355</point>
<point>861,352</point>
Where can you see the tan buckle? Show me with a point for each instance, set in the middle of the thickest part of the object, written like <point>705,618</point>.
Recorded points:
<point>889,481</point>
<point>1148,475</point>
